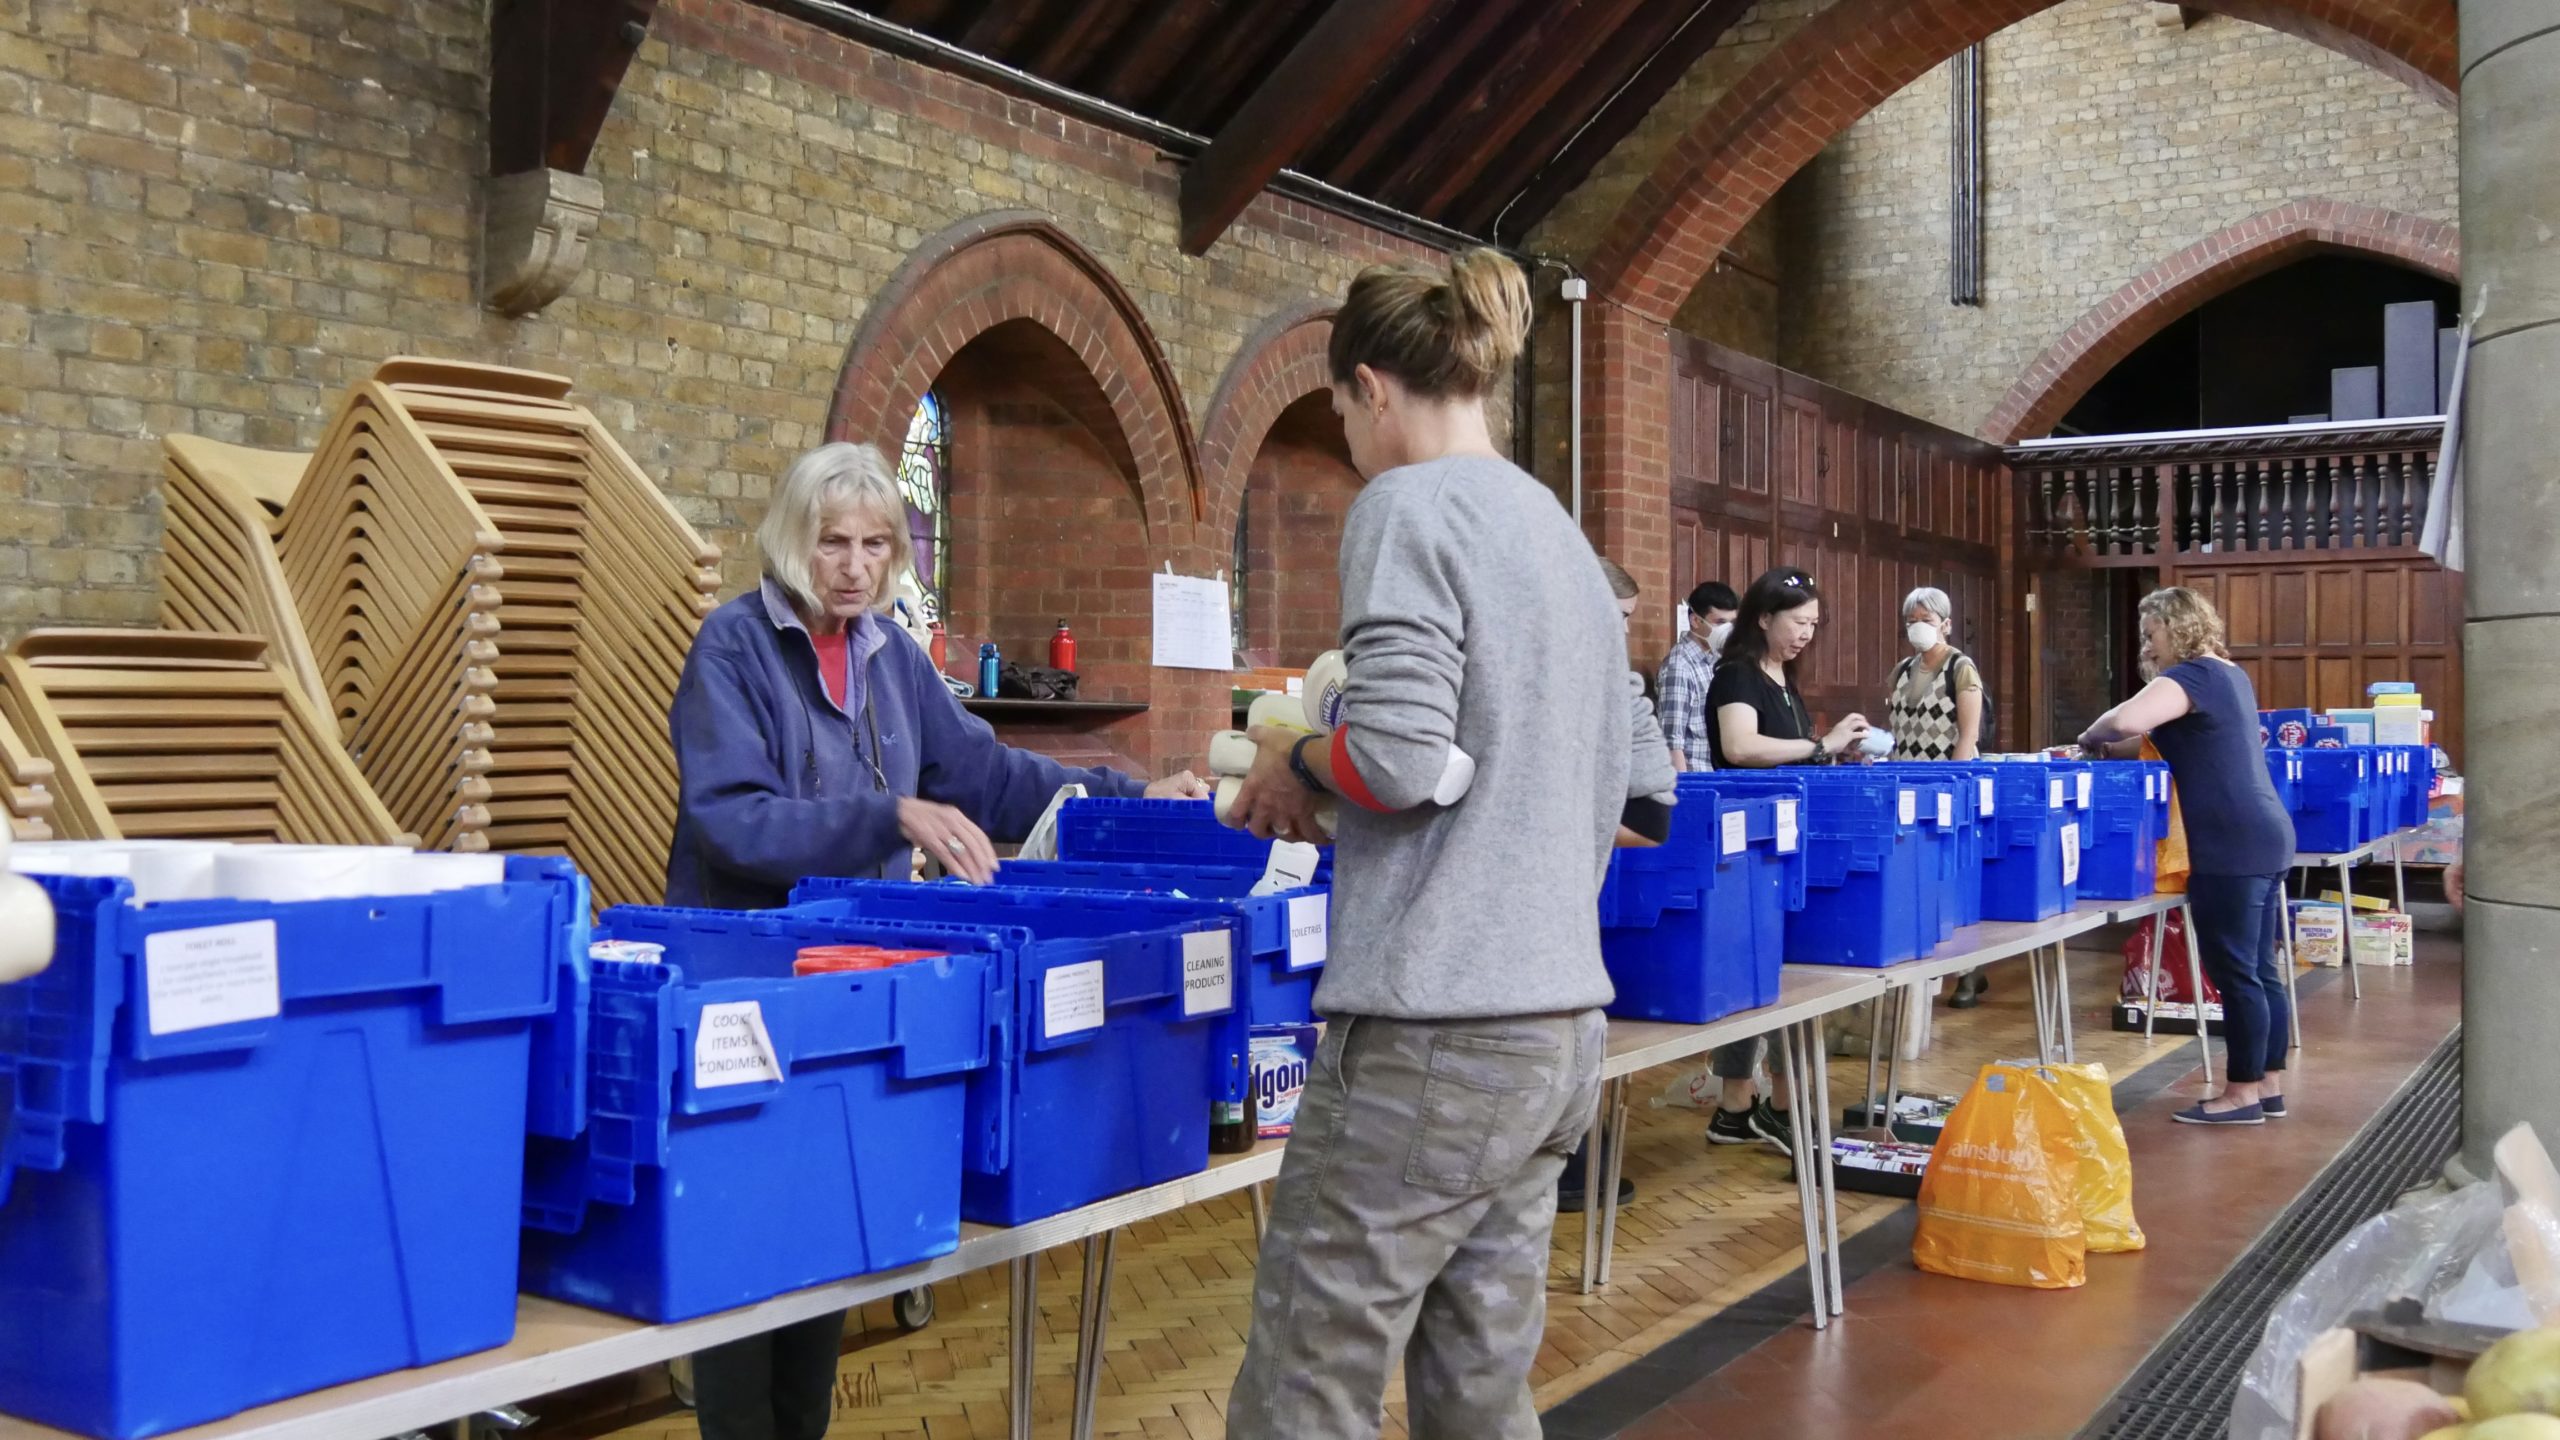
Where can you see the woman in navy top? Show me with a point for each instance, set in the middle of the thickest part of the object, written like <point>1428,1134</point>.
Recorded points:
<point>2202,713</point>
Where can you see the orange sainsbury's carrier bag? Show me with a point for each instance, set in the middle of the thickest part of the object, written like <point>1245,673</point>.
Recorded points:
<point>2172,868</point>
<point>2001,1200</point>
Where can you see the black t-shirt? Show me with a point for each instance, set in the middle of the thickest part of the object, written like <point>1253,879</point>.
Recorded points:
<point>1780,708</point>
<point>2235,823</point>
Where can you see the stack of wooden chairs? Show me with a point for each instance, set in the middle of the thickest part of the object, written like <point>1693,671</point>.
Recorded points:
<point>470,592</point>
<point>26,787</point>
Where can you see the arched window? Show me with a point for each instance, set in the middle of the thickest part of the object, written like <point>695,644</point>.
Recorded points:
<point>924,472</point>
<point>1236,588</point>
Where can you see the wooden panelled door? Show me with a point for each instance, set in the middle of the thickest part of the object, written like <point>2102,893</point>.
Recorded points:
<point>2313,633</point>
<point>1768,467</point>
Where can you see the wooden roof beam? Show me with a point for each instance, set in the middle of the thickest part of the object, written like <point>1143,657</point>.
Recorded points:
<point>554,68</point>
<point>1349,48</point>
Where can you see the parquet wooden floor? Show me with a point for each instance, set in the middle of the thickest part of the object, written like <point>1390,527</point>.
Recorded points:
<point>1711,1226</point>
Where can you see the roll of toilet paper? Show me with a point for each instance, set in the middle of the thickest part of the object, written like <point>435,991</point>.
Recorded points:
<point>1230,786</point>
<point>1323,698</point>
<point>71,857</point>
<point>1274,708</point>
<point>173,870</point>
<point>1232,752</point>
<point>26,927</point>
<point>285,873</point>
<point>422,873</point>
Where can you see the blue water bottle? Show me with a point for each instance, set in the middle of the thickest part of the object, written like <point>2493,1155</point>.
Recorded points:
<point>989,666</point>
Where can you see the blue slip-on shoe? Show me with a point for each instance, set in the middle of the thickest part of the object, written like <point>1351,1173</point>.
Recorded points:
<point>2198,1115</point>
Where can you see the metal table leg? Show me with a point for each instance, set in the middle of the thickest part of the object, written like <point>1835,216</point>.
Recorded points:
<point>2151,997</point>
<point>1261,1204</point>
<point>2043,1006</point>
<point>1893,1060</point>
<point>2347,925</point>
<point>2195,987</point>
<point>1024,1300</point>
<point>2062,1001</point>
<point>2292,1006</point>
<point>1826,1179</point>
<point>1611,1167</point>
<point>1800,1134</point>
<point>2399,876</point>
<point>1099,1251</point>
<point>1875,1053</point>
<point>1591,1193</point>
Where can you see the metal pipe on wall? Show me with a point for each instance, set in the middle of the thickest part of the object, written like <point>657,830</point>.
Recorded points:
<point>1575,291</point>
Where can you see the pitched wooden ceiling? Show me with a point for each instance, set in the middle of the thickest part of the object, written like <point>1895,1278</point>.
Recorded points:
<point>1478,115</point>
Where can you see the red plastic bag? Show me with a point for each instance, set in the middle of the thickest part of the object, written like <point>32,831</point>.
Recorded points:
<point>2173,964</point>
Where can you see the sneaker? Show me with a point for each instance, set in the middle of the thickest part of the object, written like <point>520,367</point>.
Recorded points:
<point>1733,1127</point>
<point>1569,1198</point>
<point>1969,988</point>
<point>2272,1107</point>
<point>1771,1125</point>
<point>2198,1115</point>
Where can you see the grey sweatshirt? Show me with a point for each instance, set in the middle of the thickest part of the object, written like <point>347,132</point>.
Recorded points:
<point>1474,613</point>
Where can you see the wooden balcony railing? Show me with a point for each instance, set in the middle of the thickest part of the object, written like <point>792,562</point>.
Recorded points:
<point>2128,500</point>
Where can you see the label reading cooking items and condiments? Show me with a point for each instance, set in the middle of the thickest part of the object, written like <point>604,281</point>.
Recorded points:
<point>2054,799</point>
<point>1946,809</point>
<point>1310,941</point>
<point>732,1047</point>
<point>2071,854</point>
<point>1990,797</point>
<point>213,975</point>
<point>1735,836</point>
<point>1786,827</point>
<point>1208,972</point>
<point>1071,1000</point>
<point>1910,807</point>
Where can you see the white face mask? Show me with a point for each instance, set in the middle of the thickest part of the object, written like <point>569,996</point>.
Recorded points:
<point>1716,637</point>
<point>1924,636</point>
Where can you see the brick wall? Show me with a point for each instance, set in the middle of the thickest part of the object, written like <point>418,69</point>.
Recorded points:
<point>212,221</point>
<point>1296,497</point>
<point>2076,662</point>
<point>2112,141</point>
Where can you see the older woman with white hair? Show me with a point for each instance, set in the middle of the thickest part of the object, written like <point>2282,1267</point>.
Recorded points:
<point>1935,710</point>
<point>814,737</point>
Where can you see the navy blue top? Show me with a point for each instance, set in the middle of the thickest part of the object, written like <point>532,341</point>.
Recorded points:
<point>2235,824</point>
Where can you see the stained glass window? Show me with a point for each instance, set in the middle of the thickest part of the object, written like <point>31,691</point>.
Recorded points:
<point>924,473</point>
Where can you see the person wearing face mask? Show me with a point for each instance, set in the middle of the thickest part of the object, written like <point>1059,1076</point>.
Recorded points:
<point>1935,710</point>
<point>814,737</point>
<point>1690,668</point>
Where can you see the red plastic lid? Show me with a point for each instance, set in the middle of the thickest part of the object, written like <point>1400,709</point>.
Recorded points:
<point>847,959</point>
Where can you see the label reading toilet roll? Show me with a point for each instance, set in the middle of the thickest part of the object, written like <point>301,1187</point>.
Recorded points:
<point>1786,827</point>
<point>215,975</point>
<point>1990,798</point>
<point>732,1047</point>
<point>1310,939</point>
<point>1208,972</point>
<point>1735,833</point>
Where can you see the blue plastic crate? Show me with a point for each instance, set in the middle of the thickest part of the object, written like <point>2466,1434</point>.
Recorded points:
<point>1125,1030</point>
<point>1862,865</point>
<point>2421,761</point>
<point>2284,771</point>
<point>2120,859</point>
<point>1161,832</point>
<point>1286,933</point>
<point>1694,929</point>
<point>1956,799</point>
<point>253,1150</point>
<point>756,1133</point>
<point>2031,854</point>
<point>2333,800</point>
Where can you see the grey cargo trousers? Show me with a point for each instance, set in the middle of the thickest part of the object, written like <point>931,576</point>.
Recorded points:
<point>1413,1213</point>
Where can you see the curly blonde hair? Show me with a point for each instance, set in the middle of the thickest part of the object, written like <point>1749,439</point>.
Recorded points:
<point>2194,627</point>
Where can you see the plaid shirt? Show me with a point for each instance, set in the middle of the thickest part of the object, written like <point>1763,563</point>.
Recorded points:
<point>1682,702</point>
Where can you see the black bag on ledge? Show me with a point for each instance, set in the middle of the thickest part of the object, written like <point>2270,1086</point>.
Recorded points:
<point>1034,682</point>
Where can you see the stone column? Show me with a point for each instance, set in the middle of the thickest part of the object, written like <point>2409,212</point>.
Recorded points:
<point>2511,643</point>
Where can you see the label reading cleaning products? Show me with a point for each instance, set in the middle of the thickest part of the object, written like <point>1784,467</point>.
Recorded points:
<point>213,975</point>
<point>1310,939</point>
<point>1734,833</point>
<point>1990,798</point>
<point>1208,973</point>
<point>1910,807</point>
<point>1071,999</point>
<point>732,1047</point>
<point>2071,854</point>
<point>1786,827</point>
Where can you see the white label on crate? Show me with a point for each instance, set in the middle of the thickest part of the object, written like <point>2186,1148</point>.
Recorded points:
<point>1208,972</point>
<point>1946,809</point>
<point>2085,778</point>
<point>1310,939</point>
<point>213,975</point>
<point>1735,835</point>
<point>1990,798</point>
<point>1910,807</point>
<point>1786,827</point>
<point>734,1048</point>
<point>2054,800</point>
<point>1071,999</point>
<point>2071,854</point>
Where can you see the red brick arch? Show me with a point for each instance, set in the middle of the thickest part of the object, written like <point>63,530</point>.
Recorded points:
<point>1010,266</point>
<point>1281,363</point>
<point>1837,67</point>
<point>2117,325</point>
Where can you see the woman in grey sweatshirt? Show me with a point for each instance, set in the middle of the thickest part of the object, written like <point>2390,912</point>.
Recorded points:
<point>1461,1061</point>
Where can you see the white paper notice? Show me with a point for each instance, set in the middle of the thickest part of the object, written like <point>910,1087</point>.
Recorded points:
<point>1990,797</point>
<point>1071,1000</point>
<point>1946,809</point>
<point>2085,780</point>
<point>1786,827</point>
<point>215,975</point>
<point>2055,802</point>
<point>1735,835</point>
<point>1910,807</point>
<point>2071,854</point>
<point>1310,935</point>
<point>1208,972</point>
<point>1193,628</point>
<point>732,1047</point>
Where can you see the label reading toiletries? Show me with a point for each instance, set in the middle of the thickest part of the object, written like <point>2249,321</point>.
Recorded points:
<point>2054,800</point>
<point>1946,809</point>
<point>1071,1000</point>
<point>1990,797</point>
<point>1734,833</point>
<point>2071,854</point>
<point>214,975</point>
<point>1310,939</point>
<point>1786,827</point>
<point>1208,972</point>
<point>732,1047</point>
<point>1910,807</point>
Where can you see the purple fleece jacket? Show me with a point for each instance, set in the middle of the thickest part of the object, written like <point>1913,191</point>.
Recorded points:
<point>776,779</point>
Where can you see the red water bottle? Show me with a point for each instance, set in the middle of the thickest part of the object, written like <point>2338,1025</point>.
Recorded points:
<point>1062,649</point>
<point>940,647</point>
